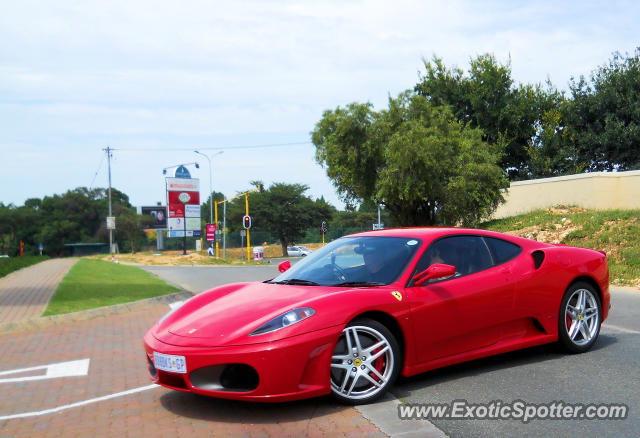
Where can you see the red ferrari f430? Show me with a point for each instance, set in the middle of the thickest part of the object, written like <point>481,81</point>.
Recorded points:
<point>353,315</point>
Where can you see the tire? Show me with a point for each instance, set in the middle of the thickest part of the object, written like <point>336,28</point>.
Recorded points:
<point>579,318</point>
<point>365,363</point>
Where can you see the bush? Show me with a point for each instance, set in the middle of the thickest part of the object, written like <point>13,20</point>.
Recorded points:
<point>10,264</point>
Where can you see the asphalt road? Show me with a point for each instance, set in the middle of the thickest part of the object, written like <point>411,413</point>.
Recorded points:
<point>200,278</point>
<point>609,373</point>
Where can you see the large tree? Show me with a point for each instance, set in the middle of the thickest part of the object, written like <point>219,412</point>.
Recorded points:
<point>75,216</point>
<point>284,210</point>
<point>426,167</point>
<point>604,115</point>
<point>487,98</point>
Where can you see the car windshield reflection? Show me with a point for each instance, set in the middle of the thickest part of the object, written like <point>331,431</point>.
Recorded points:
<point>353,262</point>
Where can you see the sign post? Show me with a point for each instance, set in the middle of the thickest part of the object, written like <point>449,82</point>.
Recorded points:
<point>246,207</point>
<point>242,234</point>
<point>184,198</point>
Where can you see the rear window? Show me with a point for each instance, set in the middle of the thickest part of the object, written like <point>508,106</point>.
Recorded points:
<point>502,250</point>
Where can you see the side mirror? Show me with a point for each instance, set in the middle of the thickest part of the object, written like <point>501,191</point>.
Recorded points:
<point>436,270</point>
<point>284,266</point>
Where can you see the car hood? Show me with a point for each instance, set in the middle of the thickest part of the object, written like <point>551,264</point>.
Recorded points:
<point>226,315</point>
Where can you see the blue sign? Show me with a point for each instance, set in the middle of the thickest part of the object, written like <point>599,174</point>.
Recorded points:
<point>182,172</point>
<point>40,246</point>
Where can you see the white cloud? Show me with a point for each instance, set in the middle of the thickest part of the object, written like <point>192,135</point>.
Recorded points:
<point>75,76</point>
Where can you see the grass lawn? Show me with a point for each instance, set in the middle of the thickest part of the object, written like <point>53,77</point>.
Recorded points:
<point>96,283</point>
<point>10,264</point>
<point>615,231</point>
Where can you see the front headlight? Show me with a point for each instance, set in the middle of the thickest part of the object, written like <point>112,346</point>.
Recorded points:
<point>284,320</point>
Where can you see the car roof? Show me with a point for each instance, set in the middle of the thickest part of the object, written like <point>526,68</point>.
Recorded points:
<point>431,233</point>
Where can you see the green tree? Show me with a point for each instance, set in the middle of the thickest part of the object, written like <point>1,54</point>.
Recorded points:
<point>487,98</point>
<point>551,152</point>
<point>285,211</point>
<point>350,158</point>
<point>603,117</point>
<point>131,226</point>
<point>422,164</point>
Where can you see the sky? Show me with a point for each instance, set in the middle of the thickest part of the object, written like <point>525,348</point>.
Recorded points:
<point>158,79</point>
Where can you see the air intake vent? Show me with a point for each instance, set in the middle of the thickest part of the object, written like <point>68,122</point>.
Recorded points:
<point>538,258</point>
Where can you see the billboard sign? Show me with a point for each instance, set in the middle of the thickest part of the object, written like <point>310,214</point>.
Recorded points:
<point>192,210</point>
<point>159,215</point>
<point>183,198</point>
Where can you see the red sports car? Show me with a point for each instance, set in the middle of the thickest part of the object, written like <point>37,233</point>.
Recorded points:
<point>350,317</point>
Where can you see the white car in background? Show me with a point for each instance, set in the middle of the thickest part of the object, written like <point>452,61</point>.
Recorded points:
<point>298,251</point>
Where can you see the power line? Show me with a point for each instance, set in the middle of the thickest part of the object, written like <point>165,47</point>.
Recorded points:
<point>216,148</point>
<point>97,170</point>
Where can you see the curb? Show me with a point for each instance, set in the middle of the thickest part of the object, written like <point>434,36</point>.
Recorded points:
<point>56,320</point>
<point>384,415</point>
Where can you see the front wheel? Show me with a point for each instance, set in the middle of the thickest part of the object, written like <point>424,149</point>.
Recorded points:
<point>580,317</point>
<point>365,362</point>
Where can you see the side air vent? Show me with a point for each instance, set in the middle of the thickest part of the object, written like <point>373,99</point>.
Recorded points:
<point>538,257</point>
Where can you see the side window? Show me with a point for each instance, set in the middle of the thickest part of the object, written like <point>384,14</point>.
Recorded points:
<point>502,250</point>
<point>468,254</point>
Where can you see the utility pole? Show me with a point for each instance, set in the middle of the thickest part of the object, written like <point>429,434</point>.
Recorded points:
<point>224,231</point>
<point>108,151</point>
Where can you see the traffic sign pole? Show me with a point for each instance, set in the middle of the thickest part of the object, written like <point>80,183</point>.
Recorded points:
<point>246,208</point>
<point>216,222</point>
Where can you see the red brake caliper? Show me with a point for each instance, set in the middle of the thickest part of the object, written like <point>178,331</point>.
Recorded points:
<point>378,364</point>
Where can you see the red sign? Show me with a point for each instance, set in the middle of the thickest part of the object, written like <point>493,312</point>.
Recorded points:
<point>211,232</point>
<point>176,210</point>
<point>194,198</point>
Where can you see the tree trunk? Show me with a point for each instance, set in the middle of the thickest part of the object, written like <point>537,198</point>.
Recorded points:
<point>283,242</point>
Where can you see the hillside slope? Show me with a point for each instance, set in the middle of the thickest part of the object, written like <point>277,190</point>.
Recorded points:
<point>615,231</point>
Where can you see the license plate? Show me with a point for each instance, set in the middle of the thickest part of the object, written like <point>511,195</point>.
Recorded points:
<point>170,362</point>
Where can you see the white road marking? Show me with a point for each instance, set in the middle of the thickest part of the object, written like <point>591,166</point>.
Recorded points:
<point>620,329</point>
<point>72,368</point>
<point>77,404</point>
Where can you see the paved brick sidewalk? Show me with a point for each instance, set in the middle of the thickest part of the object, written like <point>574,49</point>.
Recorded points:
<point>113,343</point>
<point>25,293</point>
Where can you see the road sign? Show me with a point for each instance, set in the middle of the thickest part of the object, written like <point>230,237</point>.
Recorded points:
<point>211,232</point>
<point>182,172</point>
<point>111,222</point>
<point>378,226</point>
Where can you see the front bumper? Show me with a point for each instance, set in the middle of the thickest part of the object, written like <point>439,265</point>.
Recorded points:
<point>289,369</point>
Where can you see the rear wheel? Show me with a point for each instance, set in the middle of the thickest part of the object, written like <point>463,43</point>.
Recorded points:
<point>580,317</point>
<point>365,362</point>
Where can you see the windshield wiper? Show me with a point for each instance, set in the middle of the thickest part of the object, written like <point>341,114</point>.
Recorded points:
<point>359,283</point>
<point>297,281</point>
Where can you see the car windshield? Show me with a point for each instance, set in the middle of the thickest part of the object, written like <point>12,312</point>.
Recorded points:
<point>353,261</point>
